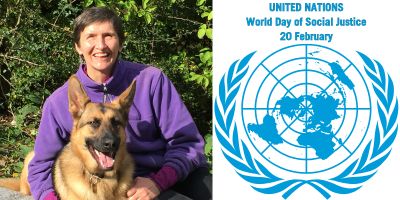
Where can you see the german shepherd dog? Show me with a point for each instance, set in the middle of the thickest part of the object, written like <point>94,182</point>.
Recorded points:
<point>95,163</point>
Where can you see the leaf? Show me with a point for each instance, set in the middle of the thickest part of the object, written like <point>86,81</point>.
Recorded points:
<point>347,171</point>
<point>265,171</point>
<point>224,142</point>
<point>231,73</point>
<point>127,16</point>
<point>222,92</point>
<point>257,179</point>
<point>99,3</point>
<point>210,16</point>
<point>87,3</point>
<point>144,4</point>
<point>209,32</point>
<point>33,132</point>
<point>276,188</point>
<point>204,14</point>
<point>239,77</point>
<point>133,6</point>
<point>204,50</point>
<point>247,156</point>
<point>381,97</point>
<point>148,18</point>
<point>376,163</point>
<point>387,143</point>
<point>394,115</point>
<point>201,33</point>
<point>372,76</point>
<point>356,180</point>
<point>141,13</point>
<point>151,9</point>
<point>382,117</point>
<point>206,83</point>
<point>208,141</point>
<point>205,57</point>
<point>232,94</point>
<point>336,188</point>
<point>390,91</point>
<point>235,139</point>
<point>367,61</point>
<point>237,164</point>
<point>229,119</point>
<point>200,2</point>
<point>243,63</point>
<point>382,75</point>
<point>364,157</point>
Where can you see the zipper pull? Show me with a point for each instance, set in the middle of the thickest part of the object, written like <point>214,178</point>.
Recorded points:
<point>104,93</point>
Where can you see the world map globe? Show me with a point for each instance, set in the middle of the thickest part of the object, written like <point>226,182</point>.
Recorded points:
<point>306,108</point>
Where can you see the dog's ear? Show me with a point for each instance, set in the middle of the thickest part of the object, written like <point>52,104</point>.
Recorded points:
<point>77,97</point>
<point>124,101</point>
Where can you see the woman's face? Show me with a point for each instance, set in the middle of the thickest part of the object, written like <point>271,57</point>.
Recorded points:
<point>99,44</point>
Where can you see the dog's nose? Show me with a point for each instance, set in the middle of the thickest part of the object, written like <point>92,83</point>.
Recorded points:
<point>109,143</point>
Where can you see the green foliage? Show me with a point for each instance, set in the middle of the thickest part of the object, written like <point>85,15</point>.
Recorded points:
<point>208,147</point>
<point>37,56</point>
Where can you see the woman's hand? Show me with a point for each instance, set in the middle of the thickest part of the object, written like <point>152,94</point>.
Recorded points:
<point>143,189</point>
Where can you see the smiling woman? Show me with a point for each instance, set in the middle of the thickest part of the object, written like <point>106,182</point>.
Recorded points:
<point>99,45</point>
<point>168,151</point>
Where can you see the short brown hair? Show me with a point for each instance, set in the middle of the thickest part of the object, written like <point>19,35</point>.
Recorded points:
<point>97,14</point>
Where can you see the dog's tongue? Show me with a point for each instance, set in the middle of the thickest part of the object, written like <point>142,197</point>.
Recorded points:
<point>105,160</point>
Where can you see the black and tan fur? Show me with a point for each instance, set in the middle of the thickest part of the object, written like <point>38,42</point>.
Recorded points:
<point>97,127</point>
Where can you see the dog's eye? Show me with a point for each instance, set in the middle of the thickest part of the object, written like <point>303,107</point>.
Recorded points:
<point>95,123</point>
<point>115,122</point>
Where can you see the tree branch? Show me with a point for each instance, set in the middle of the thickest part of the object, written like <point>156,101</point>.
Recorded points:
<point>19,59</point>
<point>187,20</point>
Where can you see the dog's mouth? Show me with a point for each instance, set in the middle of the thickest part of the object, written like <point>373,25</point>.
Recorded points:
<point>104,159</point>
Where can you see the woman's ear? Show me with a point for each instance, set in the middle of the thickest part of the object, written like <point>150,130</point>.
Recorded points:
<point>78,49</point>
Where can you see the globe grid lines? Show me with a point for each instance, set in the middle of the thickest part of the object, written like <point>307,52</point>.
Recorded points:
<point>305,105</point>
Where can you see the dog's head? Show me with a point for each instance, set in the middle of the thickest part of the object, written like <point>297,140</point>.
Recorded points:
<point>98,132</point>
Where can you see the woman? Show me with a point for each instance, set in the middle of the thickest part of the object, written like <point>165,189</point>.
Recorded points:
<point>161,134</point>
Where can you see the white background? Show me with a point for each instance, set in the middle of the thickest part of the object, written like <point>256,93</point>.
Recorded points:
<point>379,40</point>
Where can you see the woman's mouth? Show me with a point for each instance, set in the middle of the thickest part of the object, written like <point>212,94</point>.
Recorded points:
<point>101,55</point>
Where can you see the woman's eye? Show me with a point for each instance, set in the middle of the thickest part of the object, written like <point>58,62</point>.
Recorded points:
<point>89,38</point>
<point>109,37</point>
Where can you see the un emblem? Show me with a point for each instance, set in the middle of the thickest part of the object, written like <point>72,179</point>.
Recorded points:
<point>306,114</point>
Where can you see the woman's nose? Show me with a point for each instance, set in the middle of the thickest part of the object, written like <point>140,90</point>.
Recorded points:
<point>101,43</point>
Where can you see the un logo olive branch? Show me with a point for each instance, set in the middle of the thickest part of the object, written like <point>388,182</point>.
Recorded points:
<point>262,180</point>
<point>378,149</point>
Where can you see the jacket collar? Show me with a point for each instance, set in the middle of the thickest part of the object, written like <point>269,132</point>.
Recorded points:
<point>111,83</point>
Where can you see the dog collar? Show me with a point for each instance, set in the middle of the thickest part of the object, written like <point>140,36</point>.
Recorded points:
<point>93,180</point>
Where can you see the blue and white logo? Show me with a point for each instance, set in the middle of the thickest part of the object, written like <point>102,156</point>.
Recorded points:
<point>306,114</point>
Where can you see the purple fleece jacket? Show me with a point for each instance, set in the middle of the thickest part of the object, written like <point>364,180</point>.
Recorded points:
<point>160,133</point>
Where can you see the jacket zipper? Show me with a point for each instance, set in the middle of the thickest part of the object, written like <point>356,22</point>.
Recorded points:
<point>105,94</point>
